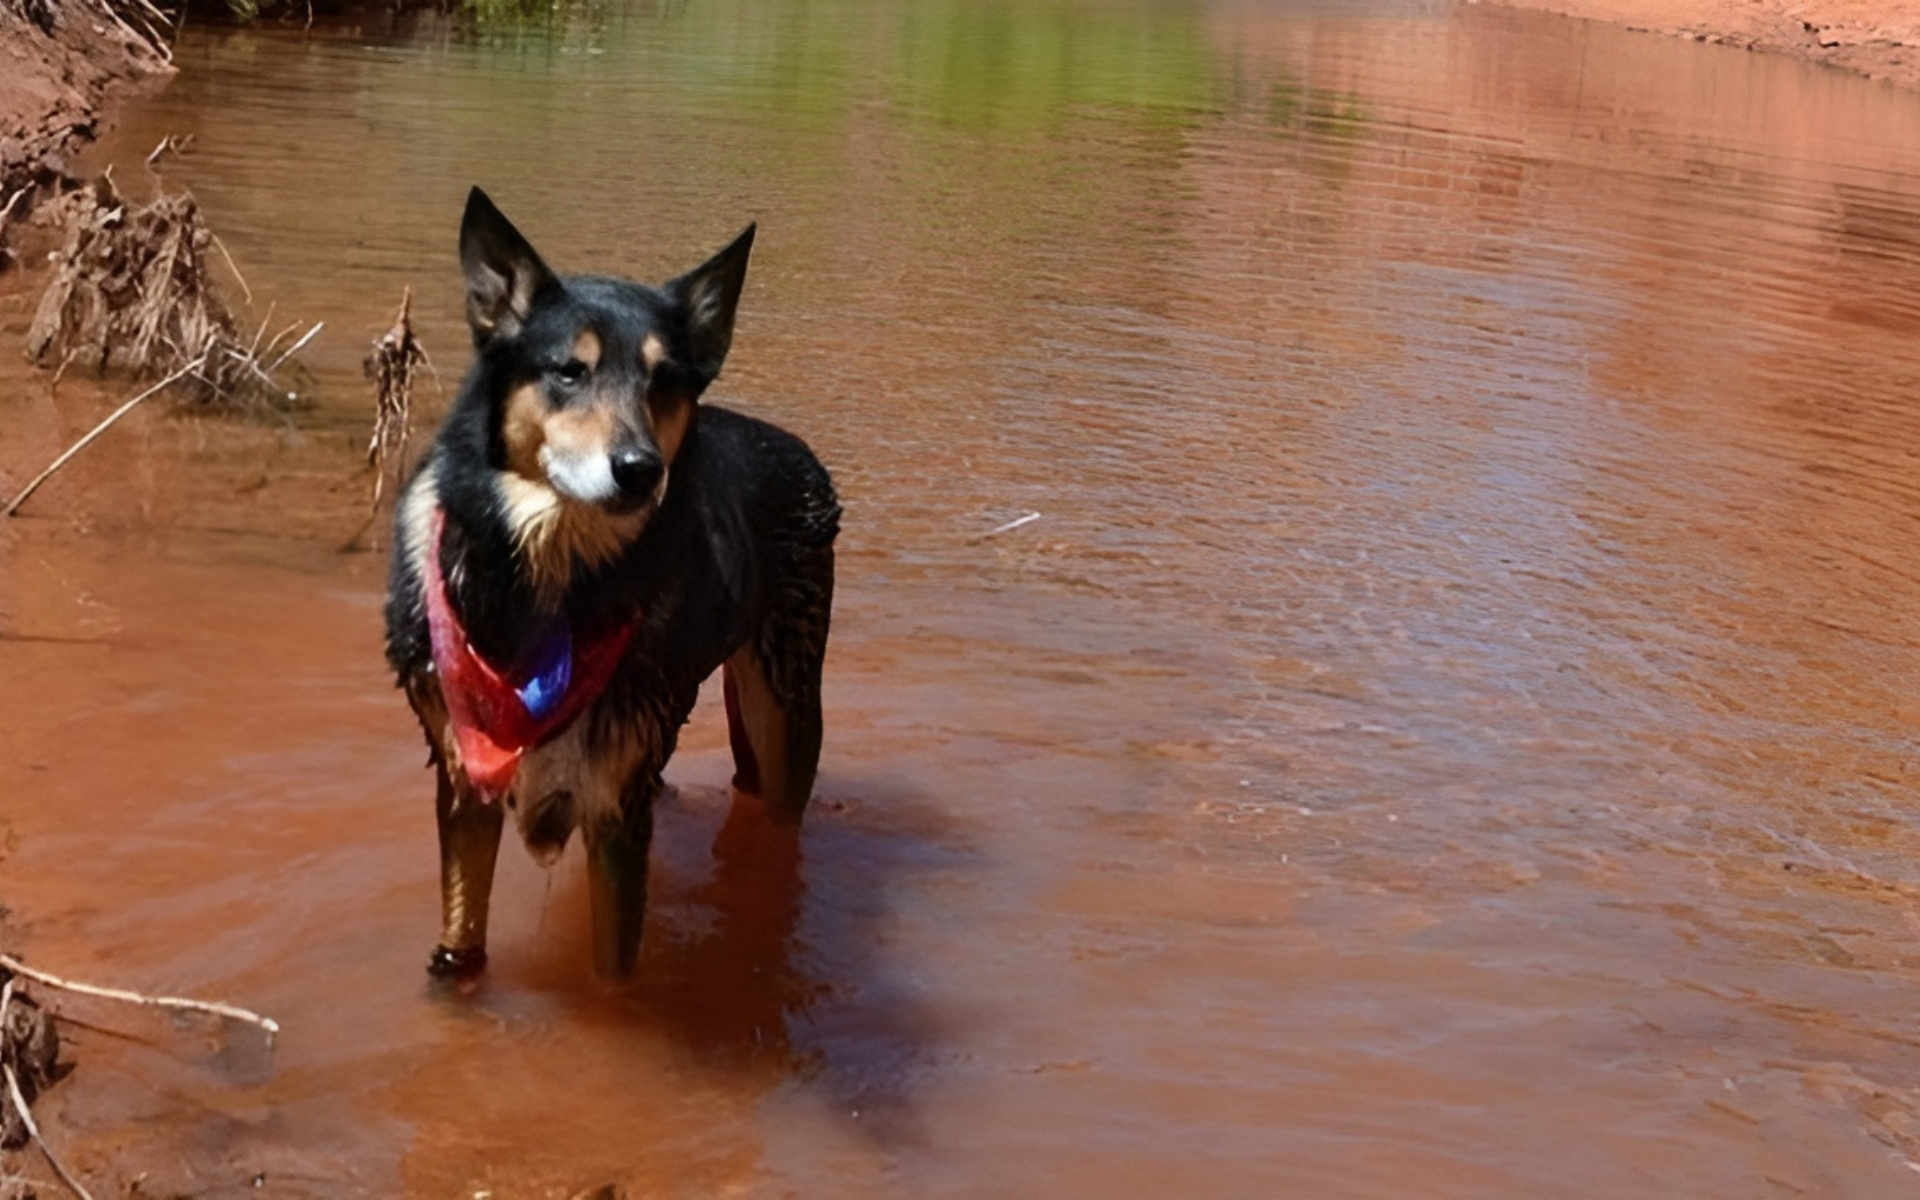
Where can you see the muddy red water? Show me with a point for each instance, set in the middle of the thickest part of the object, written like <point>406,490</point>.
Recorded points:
<point>1445,734</point>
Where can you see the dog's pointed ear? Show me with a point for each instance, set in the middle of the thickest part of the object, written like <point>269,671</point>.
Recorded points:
<point>504,273</point>
<point>708,295</point>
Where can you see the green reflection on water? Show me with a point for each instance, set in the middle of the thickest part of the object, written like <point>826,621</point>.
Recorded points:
<point>1003,67</point>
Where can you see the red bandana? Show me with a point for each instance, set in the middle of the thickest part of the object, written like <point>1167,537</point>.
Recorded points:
<point>497,717</point>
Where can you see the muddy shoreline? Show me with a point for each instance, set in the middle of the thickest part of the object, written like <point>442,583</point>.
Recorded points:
<point>1880,40</point>
<point>61,71</point>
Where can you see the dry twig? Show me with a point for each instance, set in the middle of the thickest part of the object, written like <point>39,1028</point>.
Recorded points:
<point>14,505</point>
<point>1014,524</point>
<point>238,278</point>
<point>24,1057</point>
<point>172,142</point>
<point>390,367</point>
<point>33,1131</point>
<point>29,1047</point>
<point>6,210</point>
<point>294,349</point>
<point>59,372</point>
<point>214,1007</point>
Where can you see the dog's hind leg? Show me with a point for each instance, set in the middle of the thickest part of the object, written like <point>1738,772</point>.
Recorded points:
<point>469,847</point>
<point>773,695</point>
<point>617,878</point>
<point>746,766</point>
<point>776,742</point>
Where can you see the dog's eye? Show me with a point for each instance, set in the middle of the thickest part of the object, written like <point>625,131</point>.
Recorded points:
<point>571,372</point>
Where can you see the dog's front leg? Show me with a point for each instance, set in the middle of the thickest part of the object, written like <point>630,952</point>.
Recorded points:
<point>617,878</point>
<point>469,847</point>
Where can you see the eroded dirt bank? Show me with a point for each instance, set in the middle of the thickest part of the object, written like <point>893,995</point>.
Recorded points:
<point>1878,38</point>
<point>59,65</point>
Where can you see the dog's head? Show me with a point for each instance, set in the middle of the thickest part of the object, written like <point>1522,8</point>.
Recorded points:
<point>596,379</point>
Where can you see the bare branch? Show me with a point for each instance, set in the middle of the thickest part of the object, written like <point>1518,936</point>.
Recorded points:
<point>33,1131</point>
<point>215,1007</point>
<point>294,349</point>
<point>95,432</point>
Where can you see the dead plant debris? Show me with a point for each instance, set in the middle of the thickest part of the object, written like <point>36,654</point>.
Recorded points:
<point>391,366</point>
<point>30,1048</point>
<point>132,291</point>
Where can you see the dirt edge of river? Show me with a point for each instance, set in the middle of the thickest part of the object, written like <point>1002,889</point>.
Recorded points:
<point>1876,38</point>
<point>62,67</point>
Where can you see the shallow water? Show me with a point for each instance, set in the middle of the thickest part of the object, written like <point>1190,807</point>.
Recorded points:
<point>1444,735</point>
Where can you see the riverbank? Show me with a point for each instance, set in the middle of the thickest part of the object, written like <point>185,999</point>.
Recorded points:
<point>1876,38</point>
<point>60,67</point>
<point>61,71</point>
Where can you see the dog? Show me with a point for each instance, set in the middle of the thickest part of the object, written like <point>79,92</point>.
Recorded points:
<point>581,546</point>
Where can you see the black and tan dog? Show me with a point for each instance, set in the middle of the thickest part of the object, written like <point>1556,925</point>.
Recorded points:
<point>581,547</point>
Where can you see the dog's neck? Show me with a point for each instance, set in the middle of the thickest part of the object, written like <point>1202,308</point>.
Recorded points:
<point>500,710</point>
<point>557,540</point>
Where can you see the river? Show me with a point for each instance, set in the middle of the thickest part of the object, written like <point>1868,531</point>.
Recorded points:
<point>1445,732</point>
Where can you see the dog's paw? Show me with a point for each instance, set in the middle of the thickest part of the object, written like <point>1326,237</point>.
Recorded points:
<point>457,964</point>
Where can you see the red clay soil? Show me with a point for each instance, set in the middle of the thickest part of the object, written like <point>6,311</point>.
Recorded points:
<point>53,84</point>
<point>1877,38</point>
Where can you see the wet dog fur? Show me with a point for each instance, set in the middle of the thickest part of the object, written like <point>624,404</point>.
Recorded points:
<point>579,474</point>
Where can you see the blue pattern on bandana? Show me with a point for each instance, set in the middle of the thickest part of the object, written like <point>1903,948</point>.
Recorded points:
<point>551,672</point>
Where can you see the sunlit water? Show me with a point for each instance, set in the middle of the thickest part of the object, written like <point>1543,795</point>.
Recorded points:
<point>1446,733</point>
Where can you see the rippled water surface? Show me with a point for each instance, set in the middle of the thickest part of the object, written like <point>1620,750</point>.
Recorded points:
<point>1446,733</point>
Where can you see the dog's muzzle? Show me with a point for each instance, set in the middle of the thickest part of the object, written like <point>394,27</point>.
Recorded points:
<point>622,482</point>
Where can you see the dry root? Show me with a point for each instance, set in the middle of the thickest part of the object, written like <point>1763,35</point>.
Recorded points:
<point>6,211</point>
<point>390,366</point>
<point>28,1048</point>
<point>132,291</point>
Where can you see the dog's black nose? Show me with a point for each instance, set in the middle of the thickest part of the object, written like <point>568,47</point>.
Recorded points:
<point>637,472</point>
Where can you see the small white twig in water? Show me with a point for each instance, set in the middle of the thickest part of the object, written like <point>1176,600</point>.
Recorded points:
<point>172,142</point>
<point>215,1007</point>
<point>33,1131</point>
<point>234,267</point>
<point>14,506</point>
<point>6,210</point>
<point>1016,523</point>
<point>296,347</point>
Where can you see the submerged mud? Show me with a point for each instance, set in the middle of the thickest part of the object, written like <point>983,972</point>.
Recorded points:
<point>1445,731</point>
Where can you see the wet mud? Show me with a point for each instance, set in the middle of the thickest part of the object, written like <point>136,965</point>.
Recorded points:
<point>1445,733</point>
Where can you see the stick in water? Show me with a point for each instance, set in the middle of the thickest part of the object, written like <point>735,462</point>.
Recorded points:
<point>99,429</point>
<point>294,349</point>
<point>33,1131</point>
<point>1016,523</point>
<point>10,963</point>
